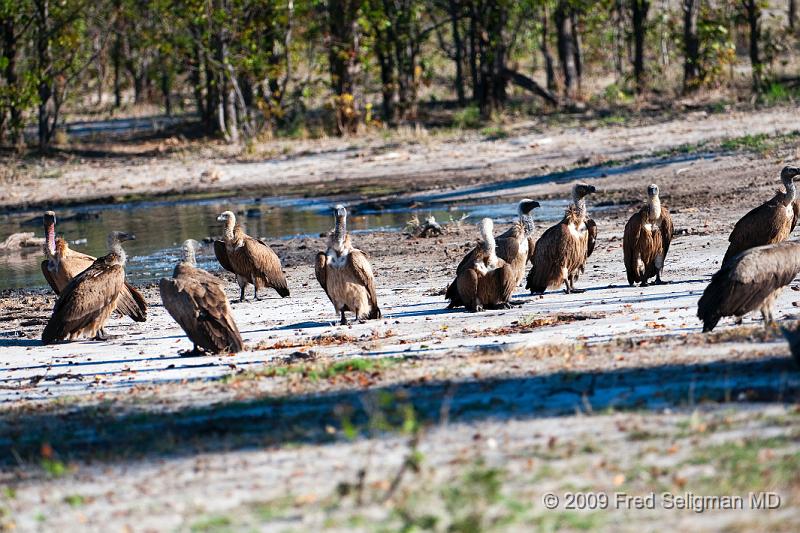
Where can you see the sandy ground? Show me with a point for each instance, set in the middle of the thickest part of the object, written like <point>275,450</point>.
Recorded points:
<point>455,419</point>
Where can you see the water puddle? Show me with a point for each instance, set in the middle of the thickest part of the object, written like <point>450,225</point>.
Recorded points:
<point>160,227</point>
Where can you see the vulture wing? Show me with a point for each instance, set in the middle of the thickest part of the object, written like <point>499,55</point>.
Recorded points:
<point>266,262</point>
<point>49,277</point>
<point>222,255</point>
<point>760,226</point>
<point>591,227</point>
<point>131,303</point>
<point>361,268</point>
<point>466,263</point>
<point>84,300</point>
<point>321,272</point>
<point>630,245</point>
<point>667,229</point>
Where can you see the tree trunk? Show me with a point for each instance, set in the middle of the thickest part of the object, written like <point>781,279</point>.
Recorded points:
<point>473,51</point>
<point>44,63</point>
<point>344,60</point>
<point>639,10</point>
<point>11,80</point>
<point>458,45</point>
<point>753,14</point>
<point>691,43</point>
<point>546,54</point>
<point>492,83</point>
<point>566,48</point>
<point>792,15</point>
<point>576,46</point>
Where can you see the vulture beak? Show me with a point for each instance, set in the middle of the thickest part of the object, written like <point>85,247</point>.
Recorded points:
<point>49,218</point>
<point>126,237</point>
<point>221,218</point>
<point>591,189</point>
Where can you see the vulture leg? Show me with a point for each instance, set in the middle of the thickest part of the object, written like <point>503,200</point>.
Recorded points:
<point>738,320</point>
<point>344,319</point>
<point>644,284</point>
<point>241,295</point>
<point>659,268</point>
<point>101,335</point>
<point>255,292</point>
<point>567,285</point>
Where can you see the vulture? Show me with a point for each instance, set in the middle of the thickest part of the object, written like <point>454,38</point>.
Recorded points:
<point>345,274</point>
<point>89,299</point>
<point>251,260</point>
<point>560,253</point>
<point>486,281</point>
<point>645,242</point>
<point>195,299</point>
<point>62,264</point>
<point>514,246</point>
<point>771,222</point>
<point>749,281</point>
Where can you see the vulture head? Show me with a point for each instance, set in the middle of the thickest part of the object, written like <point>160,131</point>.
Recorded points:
<point>526,206</point>
<point>652,190</point>
<point>227,217</point>
<point>339,211</point>
<point>118,237</point>
<point>189,251</point>
<point>580,190</point>
<point>789,173</point>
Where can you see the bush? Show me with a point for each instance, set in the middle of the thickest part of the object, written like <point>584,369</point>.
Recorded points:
<point>467,118</point>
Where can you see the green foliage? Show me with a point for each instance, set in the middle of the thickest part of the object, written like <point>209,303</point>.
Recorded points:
<point>467,118</point>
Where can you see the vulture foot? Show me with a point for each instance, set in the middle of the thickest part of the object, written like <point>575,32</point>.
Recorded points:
<point>578,291</point>
<point>517,303</point>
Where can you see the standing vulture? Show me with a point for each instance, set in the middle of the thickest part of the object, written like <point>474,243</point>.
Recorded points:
<point>561,252</point>
<point>195,299</point>
<point>63,264</point>
<point>749,281</point>
<point>345,274</point>
<point>514,246</point>
<point>89,299</point>
<point>646,240</point>
<point>251,260</point>
<point>486,281</point>
<point>771,222</point>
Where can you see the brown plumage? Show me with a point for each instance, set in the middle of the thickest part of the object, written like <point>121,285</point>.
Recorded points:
<point>63,264</point>
<point>345,274</point>
<point>514,246</point>
<point>485,281</point>
<point>89,299</point>
<point>195,299</point>
<point>253,261</point>
<point>749,281</point>
<point>646,240</point>
<point>560,253</point>
<point>771,222</point>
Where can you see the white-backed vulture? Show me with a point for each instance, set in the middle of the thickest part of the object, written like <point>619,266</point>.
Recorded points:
<point>63,264</point>
<point>771,222</point>
<point>646,240</point>
<point>89,299</point>
<point>195,299</point>
<point>345,274</point>
<point>252,260</point>
<point>486,281</point>
<point>514,246</point>
<point>561,252</point>
<point>749,281</point>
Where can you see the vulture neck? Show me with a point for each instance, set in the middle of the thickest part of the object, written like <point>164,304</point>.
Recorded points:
<point>116,249</point>
<point>654,207</point>
<point>527,223</point>
<point>580,206</point>
<point>229,225</point>
<point>189,257</point>
<point>50,241</point>
<point>488,245</point>
<point>339,235</point>
<point>791,192</point>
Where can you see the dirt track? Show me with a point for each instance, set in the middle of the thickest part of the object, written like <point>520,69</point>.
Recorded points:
<point>611,390</point>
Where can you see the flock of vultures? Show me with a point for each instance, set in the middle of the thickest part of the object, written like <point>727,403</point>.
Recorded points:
<point>756,266</point>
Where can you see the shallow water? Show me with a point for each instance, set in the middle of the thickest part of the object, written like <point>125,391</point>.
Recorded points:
<point>160,228</point>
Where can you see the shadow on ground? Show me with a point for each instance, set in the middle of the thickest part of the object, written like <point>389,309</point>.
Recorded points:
<point>99,432</point>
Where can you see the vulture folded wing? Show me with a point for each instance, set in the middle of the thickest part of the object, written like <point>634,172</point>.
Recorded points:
<point>321,272</point>
<point>49,277</point>
<point>266,262</point>
<point>363,272</point>
<point>84,299</point>
<point>222,256</point>
<point>796,214</point>
<point>178,304</point>
<point>131,303</point>
<point>630,245</point>
<point>667,230</point>
<point>591,228</point>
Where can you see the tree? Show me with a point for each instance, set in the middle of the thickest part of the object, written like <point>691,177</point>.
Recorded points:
<point>752,13</point>
<point>691,44</point>
<point>639,9</point>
